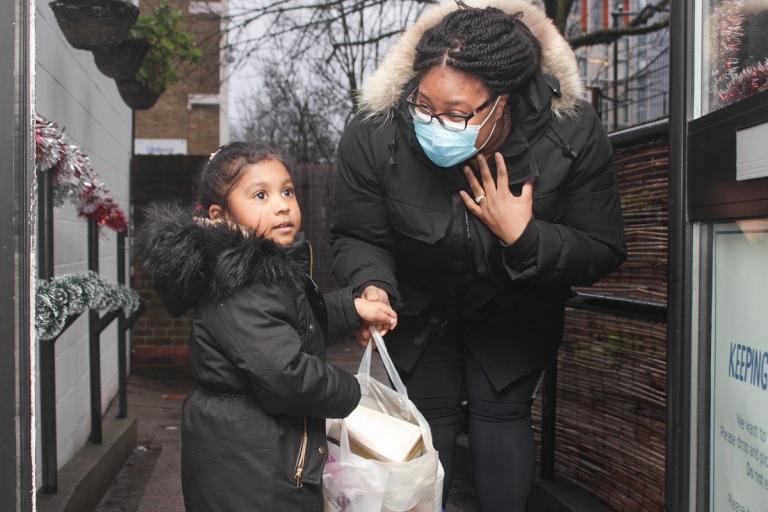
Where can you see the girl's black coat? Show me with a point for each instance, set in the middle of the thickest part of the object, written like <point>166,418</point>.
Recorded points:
<point>257,358</point>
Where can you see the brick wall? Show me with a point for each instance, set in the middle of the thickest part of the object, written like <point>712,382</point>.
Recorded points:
<point>203,78</point>
<point>159,342</point>
<point>203,130</point>
<point>173,117</point>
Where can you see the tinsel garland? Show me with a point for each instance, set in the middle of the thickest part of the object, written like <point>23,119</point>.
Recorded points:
<point>728,82</point>
<point>746,82</point>
<point>74,177</point>
<point>67,295</point>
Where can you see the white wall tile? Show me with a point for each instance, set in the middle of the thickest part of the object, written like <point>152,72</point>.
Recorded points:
<point>73,93</point>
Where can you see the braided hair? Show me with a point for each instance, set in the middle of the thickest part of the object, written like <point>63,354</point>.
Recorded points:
<point>489,43</point>
<point>224,169</point>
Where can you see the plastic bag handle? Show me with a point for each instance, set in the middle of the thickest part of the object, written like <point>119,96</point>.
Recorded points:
<point>344,447</point>
<point>389,366</point>
<point>365,362</point>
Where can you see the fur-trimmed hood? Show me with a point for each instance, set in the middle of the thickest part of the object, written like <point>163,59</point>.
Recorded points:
<point>190,257</point>
<point>382,90</point>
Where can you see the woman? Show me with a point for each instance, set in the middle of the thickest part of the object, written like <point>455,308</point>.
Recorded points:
<point>475,187</point>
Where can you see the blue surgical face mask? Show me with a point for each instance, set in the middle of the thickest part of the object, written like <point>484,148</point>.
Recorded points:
<point>447,148</point>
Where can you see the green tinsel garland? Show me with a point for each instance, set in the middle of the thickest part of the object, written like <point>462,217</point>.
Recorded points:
<point>70,294</point>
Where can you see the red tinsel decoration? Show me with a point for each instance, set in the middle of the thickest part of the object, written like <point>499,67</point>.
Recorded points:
<point>728,82</point>
<point>726,35</point>
<point>74,178</point>
<point>745,83</point>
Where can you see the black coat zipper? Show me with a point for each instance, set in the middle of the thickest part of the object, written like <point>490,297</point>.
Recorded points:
<point>302,457</point>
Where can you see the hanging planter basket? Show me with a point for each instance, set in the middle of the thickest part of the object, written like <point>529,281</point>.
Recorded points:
<point>137,95</point>
<point>90,24</point>
<point>123,60</point>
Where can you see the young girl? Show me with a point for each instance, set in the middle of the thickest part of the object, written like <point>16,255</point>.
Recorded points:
<point>253,429</point>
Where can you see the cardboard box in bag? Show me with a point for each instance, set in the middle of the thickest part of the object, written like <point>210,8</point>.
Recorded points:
<point>375,435</point>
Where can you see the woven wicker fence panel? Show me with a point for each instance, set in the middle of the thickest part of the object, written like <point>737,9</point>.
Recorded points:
<point>642,174</point>
<point>610,429</point>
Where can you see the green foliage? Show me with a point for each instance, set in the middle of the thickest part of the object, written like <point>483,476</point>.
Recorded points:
<point>168,44</point>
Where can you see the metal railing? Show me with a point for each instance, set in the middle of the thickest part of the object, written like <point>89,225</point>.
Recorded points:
<point>96,325</point>
<point>636,99</point>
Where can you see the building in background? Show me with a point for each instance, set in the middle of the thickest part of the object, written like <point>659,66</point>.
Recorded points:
<point>629,78</point>
<point>190,118</point>
<point>173,140</point>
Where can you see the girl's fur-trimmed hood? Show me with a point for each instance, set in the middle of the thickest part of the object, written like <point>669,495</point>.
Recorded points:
<point>189,258</point>
<point>381,92</point>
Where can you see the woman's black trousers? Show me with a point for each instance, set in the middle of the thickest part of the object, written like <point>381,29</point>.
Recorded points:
<point>500,435</point>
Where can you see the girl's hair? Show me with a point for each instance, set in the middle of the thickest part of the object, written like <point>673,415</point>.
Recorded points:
<point>224,169</point>
<point>496,46</point>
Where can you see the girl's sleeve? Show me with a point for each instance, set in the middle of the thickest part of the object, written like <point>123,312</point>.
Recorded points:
<point>257,330</point>
<point>342,315</point>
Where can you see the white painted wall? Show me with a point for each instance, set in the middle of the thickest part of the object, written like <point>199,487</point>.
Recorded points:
<point>72,92</point>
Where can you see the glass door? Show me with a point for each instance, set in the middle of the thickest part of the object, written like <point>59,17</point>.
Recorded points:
<point>725,169</point>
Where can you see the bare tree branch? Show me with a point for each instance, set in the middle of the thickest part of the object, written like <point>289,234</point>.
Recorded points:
<point>314,54</point>
<point>647,12</point>
<point>559,10</point>
<point>366,42</point>
<point>609,35</point>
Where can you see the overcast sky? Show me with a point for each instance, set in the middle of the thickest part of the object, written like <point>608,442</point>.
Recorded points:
<point>244,79</point>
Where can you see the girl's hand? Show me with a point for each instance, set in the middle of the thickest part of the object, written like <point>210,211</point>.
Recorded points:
<point>504,214</point>
<point>374,309</point>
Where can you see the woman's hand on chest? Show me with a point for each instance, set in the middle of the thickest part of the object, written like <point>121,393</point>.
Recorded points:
<point>505,214</point>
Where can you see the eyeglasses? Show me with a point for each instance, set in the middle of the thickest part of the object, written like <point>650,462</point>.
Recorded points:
<point>450,121</point>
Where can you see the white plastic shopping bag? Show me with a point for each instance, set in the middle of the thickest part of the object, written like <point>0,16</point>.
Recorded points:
<point>355,484</point>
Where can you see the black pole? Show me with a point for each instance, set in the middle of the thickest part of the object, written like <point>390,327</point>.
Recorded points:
<point>625,89</point>
<point>48,415</point>
<point>94,349</point>
<point>122,363</point>
<point>548,418</point>
<point>47,348</point>
<point>678,385</point>
<point>45,225</point>
<point>17,161</point>
<point>595,100</point>
<point>616,15</point>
